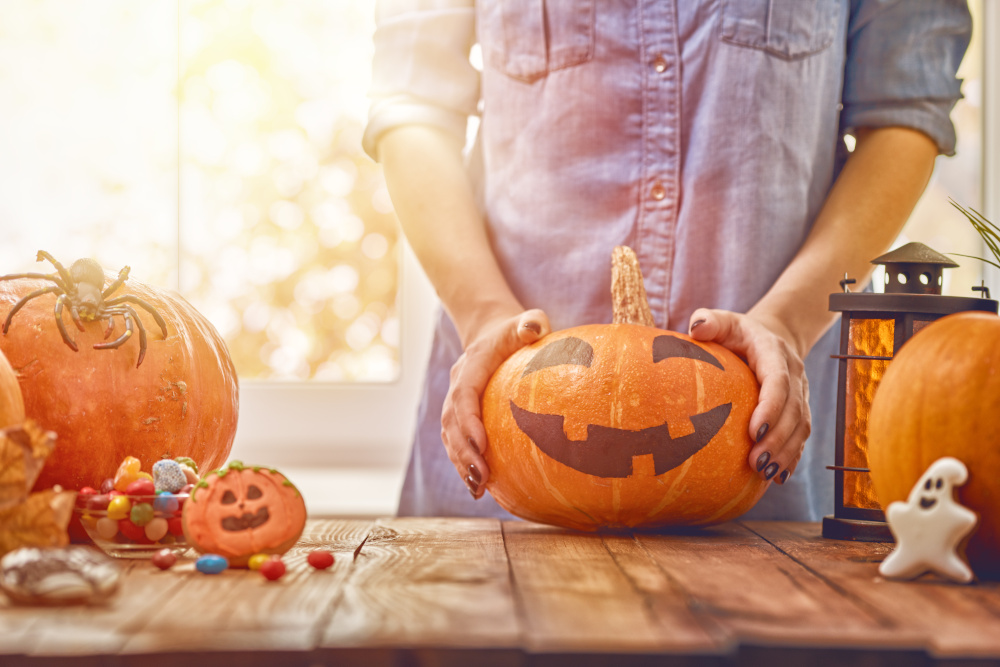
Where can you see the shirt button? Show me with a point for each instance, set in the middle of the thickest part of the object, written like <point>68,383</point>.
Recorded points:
<point>658,192</point>
<point>660,64</point>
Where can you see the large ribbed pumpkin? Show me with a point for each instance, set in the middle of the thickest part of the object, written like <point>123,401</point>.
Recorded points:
<point>622,425</point>
<point>183,399</point>
<point>941,397</point>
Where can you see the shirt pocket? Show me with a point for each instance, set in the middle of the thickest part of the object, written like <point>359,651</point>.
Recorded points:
<point>527,39</point>
<point>789,29</point>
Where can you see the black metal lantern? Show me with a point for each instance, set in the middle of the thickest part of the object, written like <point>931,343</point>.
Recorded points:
<point>873,328</point>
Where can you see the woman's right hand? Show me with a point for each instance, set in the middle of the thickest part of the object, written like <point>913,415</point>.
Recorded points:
<point>462,427</point>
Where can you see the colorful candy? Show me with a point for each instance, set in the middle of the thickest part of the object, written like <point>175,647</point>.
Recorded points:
<point>140,487</point>
<point>320,559</point>
<point>273,568</point>
<point>119,507</point>
<point>257,560</point>
<point>164,559</point>
<point>168,476</point>
<point>156,529</point>
<point>141,514</point>
<point>127,473</point>
<point>211,564</point>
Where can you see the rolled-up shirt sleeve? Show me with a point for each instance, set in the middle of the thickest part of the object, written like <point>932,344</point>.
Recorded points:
<point>902,58</point>
<point>421,73</point>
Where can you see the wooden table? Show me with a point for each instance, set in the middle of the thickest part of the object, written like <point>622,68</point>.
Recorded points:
<point>481,593</point>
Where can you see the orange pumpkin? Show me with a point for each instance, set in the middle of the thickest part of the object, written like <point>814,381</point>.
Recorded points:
<point>941,397</point>
<point>240,511</point>
<point>181,401</point>
<point>622,425</point>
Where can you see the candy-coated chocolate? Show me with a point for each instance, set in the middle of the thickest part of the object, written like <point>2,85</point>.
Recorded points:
<point>87,491</point>
<point>156,529</point>
<point>257,560</point>
<point>140,487</point>
<point>108,485</point>
<point>97,502</point>
<point>320,559</point>
<point>119,507</point>
<point>273,568</point>
<point>141,514</point>
<point>164,559</point>
<point>133,532</point>
<point>175,526</point>
<point>166,503</point>
<point>211,564</point>
<point>107,528</point>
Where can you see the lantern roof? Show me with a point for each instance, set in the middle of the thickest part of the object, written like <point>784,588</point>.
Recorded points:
<point>914,253</point>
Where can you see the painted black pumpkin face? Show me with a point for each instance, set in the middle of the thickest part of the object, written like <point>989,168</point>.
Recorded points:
<point>246,519</point>
<point>608,451</point>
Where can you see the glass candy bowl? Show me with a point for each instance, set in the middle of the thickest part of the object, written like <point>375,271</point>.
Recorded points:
<point>126,526</point>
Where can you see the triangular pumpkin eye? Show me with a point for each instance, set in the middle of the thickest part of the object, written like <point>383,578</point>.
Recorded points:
<point>253,493</point>
<point>228,498</point>
<point>567,350</point>
<point>668,347</point>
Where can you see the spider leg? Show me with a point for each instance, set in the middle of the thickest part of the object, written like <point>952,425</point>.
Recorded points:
<point>122,277</point>
<point>136,300</point>
<point>62,326</point>
<point>54,277</point>
<point>130,316</point>
<point>25,299</point>
<point>75,314</point>
<point>109,327</point>
<point>67,278</point>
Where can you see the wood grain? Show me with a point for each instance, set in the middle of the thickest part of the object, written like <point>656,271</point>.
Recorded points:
<point>428,583</point>
<point>952,620</point>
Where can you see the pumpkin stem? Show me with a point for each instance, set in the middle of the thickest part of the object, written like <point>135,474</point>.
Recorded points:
<point>628,293</point>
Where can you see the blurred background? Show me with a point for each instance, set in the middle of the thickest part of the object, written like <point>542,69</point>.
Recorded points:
<point>214,147</point>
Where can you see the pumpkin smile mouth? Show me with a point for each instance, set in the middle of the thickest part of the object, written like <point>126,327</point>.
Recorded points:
<point>246,521</point>
<point>608,451</point>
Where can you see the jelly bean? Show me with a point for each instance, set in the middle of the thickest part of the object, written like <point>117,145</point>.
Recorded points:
<point>176,526</point>
<point>107,528</point>
<point>168,476</point>
<point>107,485</point>
<point>141,514</point>
<point>133,532</point>
<point>273,568</point>
<point>156,529</point>
<point>320,559</point>
<point>127,473</point>
<point>98,502</point>
<point>211,564</point>
<point>257,560</point>
<point>87,491</point>
<point>119,507</point>
<point>166,503</point>
<point>140,487</point>
<point>88,521</point>
<point>164,559</point>
<point>144,475</point>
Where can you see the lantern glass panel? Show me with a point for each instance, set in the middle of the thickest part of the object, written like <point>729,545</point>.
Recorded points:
<point>869,338</point>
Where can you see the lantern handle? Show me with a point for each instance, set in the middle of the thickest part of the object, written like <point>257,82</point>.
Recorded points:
<point>845,282</point>
<point>982,288</point>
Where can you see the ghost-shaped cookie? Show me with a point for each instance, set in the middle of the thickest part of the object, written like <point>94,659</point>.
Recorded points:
<point>930,526</point>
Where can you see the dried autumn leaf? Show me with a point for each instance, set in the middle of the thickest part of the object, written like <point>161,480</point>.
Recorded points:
<point>23,450</point>
<point>40,521</point>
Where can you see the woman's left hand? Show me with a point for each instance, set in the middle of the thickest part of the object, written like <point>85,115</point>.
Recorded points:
<point>781,422</point>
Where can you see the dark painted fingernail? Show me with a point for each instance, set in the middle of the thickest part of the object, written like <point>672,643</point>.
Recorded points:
<point>762,460</point>
<point>696,324</point>
<point>473,487</point>
<point>533,326</point>
<point>783,476</point>
<point>771,471</point>
<point>472,442</point>
<point>762,431</point>
<point>475,474</point>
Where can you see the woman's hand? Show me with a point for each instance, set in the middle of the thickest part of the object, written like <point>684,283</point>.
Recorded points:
<point>462,427</point>
<point>781,422</point>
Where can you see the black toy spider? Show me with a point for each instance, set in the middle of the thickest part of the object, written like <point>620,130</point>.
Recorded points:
<point>81,289</point>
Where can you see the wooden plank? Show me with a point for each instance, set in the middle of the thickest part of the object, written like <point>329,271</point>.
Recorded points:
<point>755,593</point>
<point>950,620</point>
<point>577,594</point>
<point>240,610</point>
<point>441,583</point>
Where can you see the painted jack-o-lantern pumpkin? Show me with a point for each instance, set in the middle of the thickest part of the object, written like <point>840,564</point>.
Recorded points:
<point>622,425</point>
<point>239,511</point>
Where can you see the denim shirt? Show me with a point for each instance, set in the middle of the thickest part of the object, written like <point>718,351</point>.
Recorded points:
<point>705,135</point>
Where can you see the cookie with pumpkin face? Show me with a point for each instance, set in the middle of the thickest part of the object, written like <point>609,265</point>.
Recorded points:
<point>240,510</point>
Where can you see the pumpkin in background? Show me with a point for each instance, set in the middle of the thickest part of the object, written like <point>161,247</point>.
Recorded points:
<point>181,401</point>
<point>11,402</point>
<point>622,425</point>
<point>240,511</point>
<point>941,397</point>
